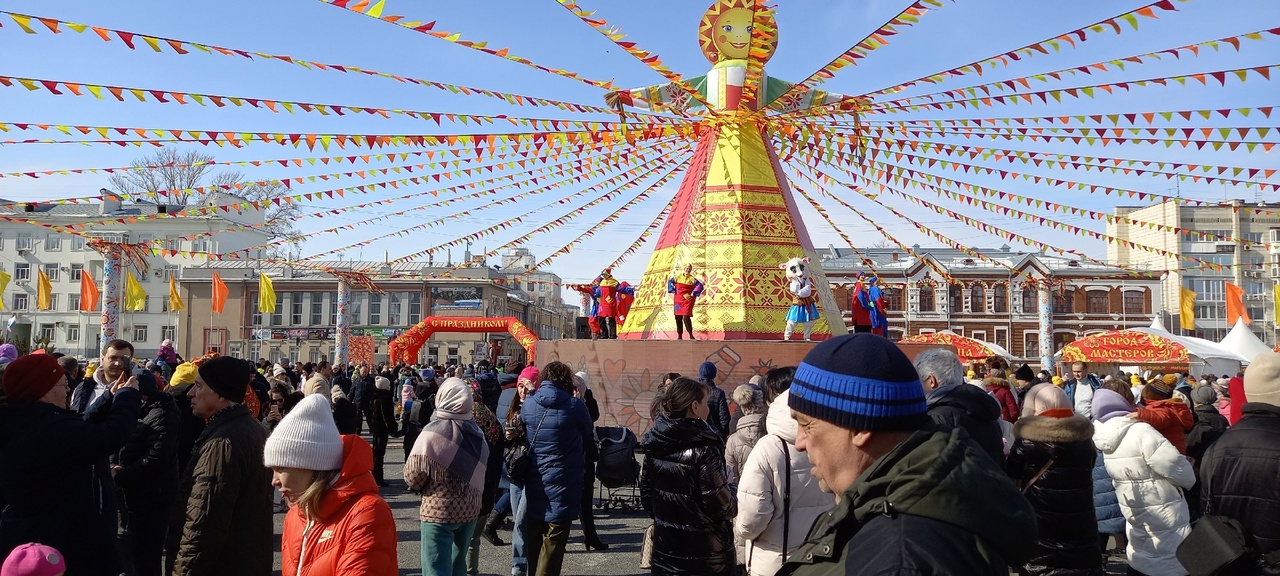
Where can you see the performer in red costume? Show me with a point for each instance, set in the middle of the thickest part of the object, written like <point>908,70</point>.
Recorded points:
<point>685,289</point>
<point>606,290</point>
<point>626,297</point>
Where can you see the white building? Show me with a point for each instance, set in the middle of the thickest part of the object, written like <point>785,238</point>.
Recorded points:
<point>541,287</point>
<point>1243,266</point>
<point>26,247</point>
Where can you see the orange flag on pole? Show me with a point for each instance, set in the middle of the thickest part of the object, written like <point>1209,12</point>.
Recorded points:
<point>1235,305</point>
<point>220,293</point>
<point>88,292</point>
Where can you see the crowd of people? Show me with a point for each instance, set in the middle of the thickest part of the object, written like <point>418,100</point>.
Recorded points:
<point>857,461</point>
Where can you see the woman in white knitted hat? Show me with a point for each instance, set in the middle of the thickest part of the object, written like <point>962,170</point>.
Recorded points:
<point>337,523</point>
<point>447,467</point>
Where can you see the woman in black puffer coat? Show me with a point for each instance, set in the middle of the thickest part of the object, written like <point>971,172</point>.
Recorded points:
<point>146,473</point>
<point>684,487</point>
<point>1051,442</point>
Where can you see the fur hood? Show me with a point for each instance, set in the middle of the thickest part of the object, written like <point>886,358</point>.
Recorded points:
<point>1050,429</point>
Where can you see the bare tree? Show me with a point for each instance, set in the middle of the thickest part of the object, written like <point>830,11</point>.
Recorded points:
<point>279,217</point>
<point>883,243</point>
<point>166,169</point>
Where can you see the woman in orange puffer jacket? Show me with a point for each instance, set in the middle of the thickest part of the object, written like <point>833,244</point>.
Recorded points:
<point>337,525</point>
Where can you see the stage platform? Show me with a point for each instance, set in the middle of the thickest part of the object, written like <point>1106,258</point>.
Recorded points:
<point>625,373</point>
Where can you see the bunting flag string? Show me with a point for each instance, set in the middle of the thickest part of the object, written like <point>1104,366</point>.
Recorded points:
<point>880,37</point>
<point>1077,92</point>
<point>183,47</point>
<point>657,164</point>
<point>610,219</point>
<point>644,235</point>
<point>1114,119</point>
<point>615,35</point>
<point>640,197</point>
<point>1079,35</point>
<point>542,188</point>
<point>62,87</point>
<point>578,164</point>
<point>826,216</point>
<point>1086,69</point>
<point>478,142</point>
<point>1105,140</point>
<point>1115,166</point>
<point>764,33</point>
<point>374,10</point>
<point>907,249</point>
<point>1186,132</point>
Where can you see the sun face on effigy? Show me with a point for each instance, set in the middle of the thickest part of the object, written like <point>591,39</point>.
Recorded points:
<point>726,28</point>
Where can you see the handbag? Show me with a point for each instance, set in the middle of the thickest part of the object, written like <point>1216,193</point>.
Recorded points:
<point>518,459</point>
<point>1220,545</point>
<point>646,549</point>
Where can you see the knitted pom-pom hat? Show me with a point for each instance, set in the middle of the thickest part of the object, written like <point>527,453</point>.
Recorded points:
<point>860,382</point>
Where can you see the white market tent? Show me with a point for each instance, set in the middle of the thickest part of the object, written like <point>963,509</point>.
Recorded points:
<point>1217,358</point>
<point>1244,342</point>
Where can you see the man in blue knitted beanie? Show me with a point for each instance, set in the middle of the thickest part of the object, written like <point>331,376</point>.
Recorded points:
<point>911,498</point>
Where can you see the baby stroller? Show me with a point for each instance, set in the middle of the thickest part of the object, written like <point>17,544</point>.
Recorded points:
<point>617,469</point>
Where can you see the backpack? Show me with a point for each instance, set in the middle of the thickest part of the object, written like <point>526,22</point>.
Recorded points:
<point>420,413</point>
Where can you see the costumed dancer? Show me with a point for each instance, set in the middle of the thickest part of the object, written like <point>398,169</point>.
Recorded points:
<point>626,297</point>
<point>606,289</point>
<point>685,289</point>
<point>804,307</point>
<point>868,307</point>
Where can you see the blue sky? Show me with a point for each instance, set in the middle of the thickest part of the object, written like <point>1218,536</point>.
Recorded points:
<point>812,32</point>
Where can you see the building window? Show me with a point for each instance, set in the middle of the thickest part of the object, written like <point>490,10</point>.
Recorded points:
<point>1096,302</point>
<point>317,308</point>
<point>893,299</point>
<point>1062,302</point>
<point>1030,300</point>
<point>415,308</point>
<point>53,243</point>
<point>956,295</point>
<point>201,245</point>
<point>1133,303</point>
<point>53,302</point>
<point>76,271</point>
<point>168,333</point>
<point>20,301</point>
<point>393,314</point>
<point>73,302</point>
<point>355,309</point>
<point>1002,337</point>
<point>170,271</point>
<point>255,314</point>
<point>313,354</point>
<point>24,242</point>
<point>277,315</point>
<point>140,333</point>
<point>45,333</point>
<point>927,302</point>
<point>375,309</point>
<point>295,314</point>
<point>51,270</point>
<point>1000,301</point>
<point>73,333</point>
<point>1030,345</point>
<point>77,243</point>
<point>21,271</point>
<point>977,298</point>
<point>1208,290</point>
<point>1209,311</point>
<point>979,335</point>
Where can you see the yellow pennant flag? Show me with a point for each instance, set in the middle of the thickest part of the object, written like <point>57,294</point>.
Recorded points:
<point>4,283</point>
<point>266,294</point>
<point>175,300</point>
<point>1188,305</point>
<point>44,292</point>
<point>135,298</point>
<point>1275,288</point>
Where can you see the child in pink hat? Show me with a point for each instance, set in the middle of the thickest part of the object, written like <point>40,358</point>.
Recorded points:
<point>34,560</point>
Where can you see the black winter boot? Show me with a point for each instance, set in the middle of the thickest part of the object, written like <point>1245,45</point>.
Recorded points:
<point>490,531</point>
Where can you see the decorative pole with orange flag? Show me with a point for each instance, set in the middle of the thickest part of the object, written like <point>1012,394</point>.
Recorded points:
<point>1235,305</point>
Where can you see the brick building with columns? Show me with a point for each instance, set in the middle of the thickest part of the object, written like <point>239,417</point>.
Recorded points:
<point>995,299</point>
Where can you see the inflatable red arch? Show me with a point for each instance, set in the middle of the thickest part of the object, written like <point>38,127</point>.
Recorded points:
<point>406,346</point>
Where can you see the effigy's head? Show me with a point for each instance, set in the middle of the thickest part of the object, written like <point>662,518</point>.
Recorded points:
<point>726,27</point>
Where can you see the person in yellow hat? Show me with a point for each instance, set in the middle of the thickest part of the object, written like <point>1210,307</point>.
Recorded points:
<point>184,377</point>
<point>90,369</point>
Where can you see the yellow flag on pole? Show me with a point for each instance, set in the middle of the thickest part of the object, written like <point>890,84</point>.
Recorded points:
<point>1188,305</point>
<point>266,294</point>
<point>135,298</point>
<point>44,292</point>
<point>175,300</point>
<point>4,283</point>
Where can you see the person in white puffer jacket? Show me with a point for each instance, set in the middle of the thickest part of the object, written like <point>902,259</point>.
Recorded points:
<point>1147,471</point>
<point>762,492</point>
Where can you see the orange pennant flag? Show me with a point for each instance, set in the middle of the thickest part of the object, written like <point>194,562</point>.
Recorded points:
<point>220,293</point>
<point>88,292</point>
<point>1235,305</point>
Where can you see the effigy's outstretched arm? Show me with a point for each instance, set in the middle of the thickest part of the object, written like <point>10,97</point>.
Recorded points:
<point>661,97</point>
<point>803,98</point>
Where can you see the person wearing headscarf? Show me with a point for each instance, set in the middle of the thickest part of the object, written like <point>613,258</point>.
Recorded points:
<point>146,474</point>
<point>447,467</point>
<point>326,479</point>
<point>1052,460</point>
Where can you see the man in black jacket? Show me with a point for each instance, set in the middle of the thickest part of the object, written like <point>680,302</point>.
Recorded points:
<point>953,403</point>
<point>47,460</point>
<point>910,498</point>
<point>1238,475</point>
<point>362,396</point>
<point>718,406</point>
